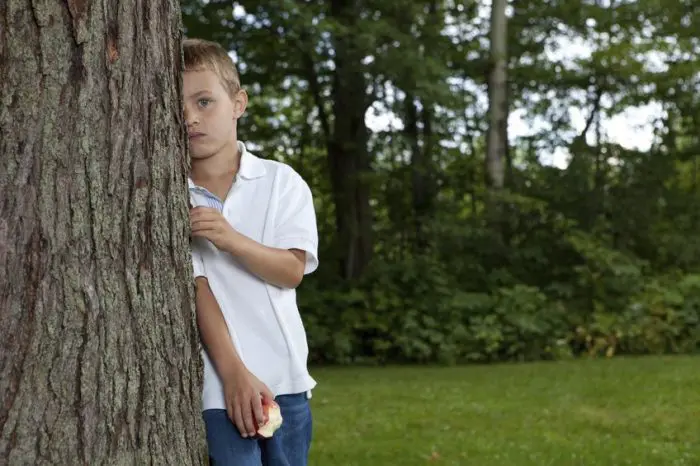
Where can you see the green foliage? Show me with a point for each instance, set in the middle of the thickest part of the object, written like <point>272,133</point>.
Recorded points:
<point>417,309</point>
<point>662,318</point>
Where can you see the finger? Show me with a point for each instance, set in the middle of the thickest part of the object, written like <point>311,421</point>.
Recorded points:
<point>256,404</point>
<point>230,410</point>
<point>206,219</point>
<point>210,235</point>
<point>202,209</point>
<point>238,420</point>
<point>202,225</point>
<point>266,394</point>
<point>204,212</point>
<point>203,218</point>
<point>203,233</point>
<point>247,412</point>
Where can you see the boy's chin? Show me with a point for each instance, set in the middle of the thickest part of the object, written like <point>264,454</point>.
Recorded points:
<point>200,151</point>
<point>201,155</point>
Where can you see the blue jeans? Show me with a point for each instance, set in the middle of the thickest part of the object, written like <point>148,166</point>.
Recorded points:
<point>289,446</point>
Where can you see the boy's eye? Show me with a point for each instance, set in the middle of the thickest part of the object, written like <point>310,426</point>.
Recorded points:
<point>203,102</point>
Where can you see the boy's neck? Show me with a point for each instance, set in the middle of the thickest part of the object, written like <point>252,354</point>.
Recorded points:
<point>225,164</point>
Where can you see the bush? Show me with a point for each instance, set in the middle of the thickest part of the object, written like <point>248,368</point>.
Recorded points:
<point>663,318</point>
<point>412,312</point>
<point>424,309</point>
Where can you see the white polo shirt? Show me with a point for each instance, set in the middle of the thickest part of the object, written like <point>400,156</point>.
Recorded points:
<point>270,203</point>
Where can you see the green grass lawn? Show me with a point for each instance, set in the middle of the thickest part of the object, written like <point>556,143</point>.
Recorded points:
<point>614,412</point>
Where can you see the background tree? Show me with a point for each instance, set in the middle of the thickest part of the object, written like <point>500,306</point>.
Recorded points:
<point>497,140</point>
<point>99,359</point>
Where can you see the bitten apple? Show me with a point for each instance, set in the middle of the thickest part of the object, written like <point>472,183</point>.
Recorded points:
<point>273,414</point>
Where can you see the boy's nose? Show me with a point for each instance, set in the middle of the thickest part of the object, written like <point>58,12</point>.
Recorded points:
<point>191,118</point>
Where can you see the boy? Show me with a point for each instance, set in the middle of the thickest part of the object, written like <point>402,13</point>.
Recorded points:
<point>254,238</point>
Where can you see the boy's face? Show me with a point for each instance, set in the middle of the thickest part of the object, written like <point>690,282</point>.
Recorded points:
<point>210,113</point>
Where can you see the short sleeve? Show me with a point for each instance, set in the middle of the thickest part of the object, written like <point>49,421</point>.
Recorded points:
<point>295,225</point>
<point>197,263</point>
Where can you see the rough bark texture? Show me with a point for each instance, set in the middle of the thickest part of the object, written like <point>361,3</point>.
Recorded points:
<point>99,359</point>
<point>497,142</point>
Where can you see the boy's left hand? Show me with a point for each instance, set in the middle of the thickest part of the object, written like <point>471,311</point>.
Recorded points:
<point>208,223</point>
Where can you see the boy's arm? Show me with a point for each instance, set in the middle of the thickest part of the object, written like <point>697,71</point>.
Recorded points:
<point>214,332</point>
<point>294,253</point>
<point>277,266</point>
<point>280,267</point>
<point>243,392</point>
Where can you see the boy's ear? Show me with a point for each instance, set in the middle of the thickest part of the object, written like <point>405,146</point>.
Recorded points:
<point>240,102</point>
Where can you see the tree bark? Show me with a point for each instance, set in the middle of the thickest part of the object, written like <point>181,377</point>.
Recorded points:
<point>99,351</point>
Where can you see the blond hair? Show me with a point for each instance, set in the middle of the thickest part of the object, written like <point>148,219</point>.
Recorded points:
<point>204,55</point>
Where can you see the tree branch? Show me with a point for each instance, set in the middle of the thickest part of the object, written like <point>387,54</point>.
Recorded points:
<point>592,116</point>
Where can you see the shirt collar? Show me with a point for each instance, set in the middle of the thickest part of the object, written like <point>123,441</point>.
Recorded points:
<point>251,167</point>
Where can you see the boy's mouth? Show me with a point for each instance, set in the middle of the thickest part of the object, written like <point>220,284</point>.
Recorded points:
<point>195,135</point>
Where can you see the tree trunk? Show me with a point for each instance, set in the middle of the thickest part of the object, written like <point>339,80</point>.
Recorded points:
<point>497,142</point>
<point>412,133</point>
<point>423,182</point>
<point>99,352</point>
<point>349,160</point>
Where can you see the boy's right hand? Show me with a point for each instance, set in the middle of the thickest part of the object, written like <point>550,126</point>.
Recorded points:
<point>245,395</point>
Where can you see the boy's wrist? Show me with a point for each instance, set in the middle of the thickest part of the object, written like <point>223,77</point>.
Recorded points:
<point>230,245</point>
<point>235,244</point>
<point>233,370</point>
